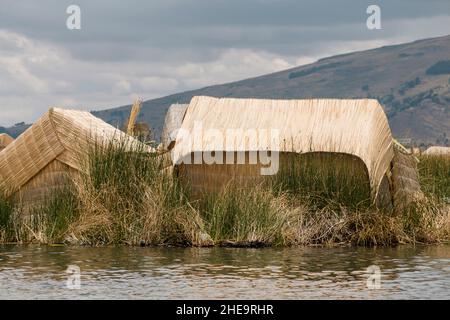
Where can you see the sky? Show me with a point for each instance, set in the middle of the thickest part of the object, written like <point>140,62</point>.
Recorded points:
<point>149,49</point>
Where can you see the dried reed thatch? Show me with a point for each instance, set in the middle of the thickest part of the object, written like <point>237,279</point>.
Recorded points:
<point>172,122</point>
<point>5,140</point>
<point>51,151</point>
<point>356,127</point>
<point>437,151</point>
<point>405,180</point>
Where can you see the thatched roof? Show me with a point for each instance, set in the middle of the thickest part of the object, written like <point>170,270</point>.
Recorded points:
<point>5,140</point>
<point>63,135</point>
<point>437,151</point>
<point>357,127</point>
<point>172,122</point>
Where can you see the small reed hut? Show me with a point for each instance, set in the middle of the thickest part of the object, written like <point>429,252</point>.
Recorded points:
<point>172,122</point>
<point>50,153</point>
<point>437,151</point>
<point>352,135</point>
<point>5,140</point>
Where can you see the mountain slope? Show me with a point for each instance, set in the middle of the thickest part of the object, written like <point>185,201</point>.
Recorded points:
<point>411,81</point>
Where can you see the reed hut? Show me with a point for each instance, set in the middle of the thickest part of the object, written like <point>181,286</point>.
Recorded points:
<point>172,122</point>
<point>51,152</point>
<point>437,151</point>
<point>5,140</point>
<point>355,132</point>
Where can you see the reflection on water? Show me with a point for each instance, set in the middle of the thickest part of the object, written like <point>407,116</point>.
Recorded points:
<point>32,272</point>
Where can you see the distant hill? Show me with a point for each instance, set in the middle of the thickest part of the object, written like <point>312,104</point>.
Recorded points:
<point>15,130</point>
<point>411,80</point>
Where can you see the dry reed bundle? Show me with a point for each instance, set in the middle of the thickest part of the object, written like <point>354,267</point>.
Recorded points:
<point>133,116</point>
<point>405,181</point>
<point>172,122</point>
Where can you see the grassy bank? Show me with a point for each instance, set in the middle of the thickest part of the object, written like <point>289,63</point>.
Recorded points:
<point>260,216</point>
<point>128,198</point>
<point>434,173</point>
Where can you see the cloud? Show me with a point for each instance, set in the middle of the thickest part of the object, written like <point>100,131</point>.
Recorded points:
<point>149,83</point>
<point>154,48</point>
<point>235,64</point>
<point>40,75</point>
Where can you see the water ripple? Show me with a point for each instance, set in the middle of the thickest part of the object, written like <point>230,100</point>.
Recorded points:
<point>39,272</point>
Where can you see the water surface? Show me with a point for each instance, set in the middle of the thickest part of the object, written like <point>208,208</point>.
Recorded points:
<point>39,272</point>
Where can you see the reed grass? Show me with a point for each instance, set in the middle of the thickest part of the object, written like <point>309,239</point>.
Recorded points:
<point>320,199</point>
<point>252,216</point>
<point>260,216</point>
<point>6,211</point>
<point>434,174</point>
<point>45,222</point>
<point>126,196</point>
<point>324,179</point>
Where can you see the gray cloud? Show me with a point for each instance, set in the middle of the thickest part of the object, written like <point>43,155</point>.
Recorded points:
<point>154,48</point>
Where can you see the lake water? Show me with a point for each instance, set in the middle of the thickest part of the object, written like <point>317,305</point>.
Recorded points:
<point>39,272</point>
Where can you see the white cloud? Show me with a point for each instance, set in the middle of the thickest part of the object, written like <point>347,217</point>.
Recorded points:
<point>235,64</point>
<point>36,73</point>
<point>122,87</point>
<point>152,83</point>
<point>18,72</point>
<point>39,75</point>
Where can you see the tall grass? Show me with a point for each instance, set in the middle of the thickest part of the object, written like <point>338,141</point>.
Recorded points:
<point>434,173</point>
<point>6,212</point>
<point>322,198</point>
<point>260,216</point>
<point>44,222</point>
<point>324,179</point>
<point>126,196</point>
<point>252,216</point>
